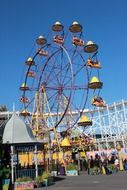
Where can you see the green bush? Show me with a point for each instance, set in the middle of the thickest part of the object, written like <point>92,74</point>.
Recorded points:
<point>71,167</point>
<point>46,175</point>
<point>23,179</point>
<point>39,179</point>
<point>54,167</point>
<point>5,173</point>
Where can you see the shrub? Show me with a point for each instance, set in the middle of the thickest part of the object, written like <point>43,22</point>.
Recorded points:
<point>71,167</point>
<point>24,178</point>
<point>39,179</point>
<point>54,167</point>
<point>5,173</point>
<point>46,175</point>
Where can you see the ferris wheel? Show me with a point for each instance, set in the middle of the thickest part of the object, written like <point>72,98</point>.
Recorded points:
<point>57,79</point>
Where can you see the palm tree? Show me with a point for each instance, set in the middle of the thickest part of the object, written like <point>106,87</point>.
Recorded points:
<point>3,108</point>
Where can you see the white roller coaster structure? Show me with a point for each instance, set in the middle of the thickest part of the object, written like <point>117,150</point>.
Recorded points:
<point>109,124</point>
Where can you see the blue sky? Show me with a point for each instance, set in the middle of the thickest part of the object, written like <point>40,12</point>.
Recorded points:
<point>104,22</point>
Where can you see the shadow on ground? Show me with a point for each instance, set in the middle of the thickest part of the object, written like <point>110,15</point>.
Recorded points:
<point>58,178</point>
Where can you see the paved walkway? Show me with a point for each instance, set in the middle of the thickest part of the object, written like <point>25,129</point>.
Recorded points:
<point>116,181</point>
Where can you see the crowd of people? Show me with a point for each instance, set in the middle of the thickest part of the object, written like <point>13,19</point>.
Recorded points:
<point>103,165</point>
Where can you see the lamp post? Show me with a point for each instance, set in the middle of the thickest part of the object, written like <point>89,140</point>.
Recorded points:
<point>12,164</point>
<point>36,160</point>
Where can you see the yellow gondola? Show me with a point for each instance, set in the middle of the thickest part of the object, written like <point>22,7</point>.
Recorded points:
<point>90,47</point>
<point>24,87</point>
<point>57,27</point>
<point>84,121</point>
<point>30,61</point>
<point>25,113</point>
<point>65,143</point>
<point>41,40</point>
<point>95,83</point>
<point>75,27</point>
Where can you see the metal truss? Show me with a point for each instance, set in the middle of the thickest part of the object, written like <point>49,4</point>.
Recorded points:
<point>109,124</point>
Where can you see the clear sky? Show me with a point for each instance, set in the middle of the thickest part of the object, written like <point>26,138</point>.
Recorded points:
<point>104,22</point>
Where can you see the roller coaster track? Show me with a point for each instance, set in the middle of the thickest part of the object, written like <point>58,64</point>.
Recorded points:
<point>109,123</point>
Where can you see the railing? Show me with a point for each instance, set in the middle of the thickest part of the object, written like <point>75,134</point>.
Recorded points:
<point>19,173</point>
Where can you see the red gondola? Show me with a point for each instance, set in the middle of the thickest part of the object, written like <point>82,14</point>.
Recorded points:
<point>77,41</point>
<point>58,39</point>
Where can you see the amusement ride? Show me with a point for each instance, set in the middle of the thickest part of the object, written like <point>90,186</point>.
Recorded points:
<point>61,104</point>
<point>61,75</point>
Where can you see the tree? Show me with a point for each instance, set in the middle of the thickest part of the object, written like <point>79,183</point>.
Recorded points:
<point>3,108</point>
<point>2,123</point>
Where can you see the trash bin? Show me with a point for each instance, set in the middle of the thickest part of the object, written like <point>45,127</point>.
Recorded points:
<point>5,184</point>
<point>62,170</point>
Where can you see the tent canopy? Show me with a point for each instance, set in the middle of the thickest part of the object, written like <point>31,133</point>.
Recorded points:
<point>17,132</point>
